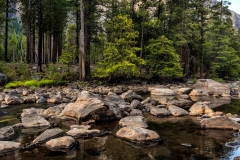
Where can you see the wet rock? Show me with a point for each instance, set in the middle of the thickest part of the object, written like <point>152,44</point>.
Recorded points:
<point>92,106</point>
<point>160,112</point>
<point>61,143</point>
<point>46,136</point>
<point>162,92</point>
<point>135,104</point>
<point>38,111</point>
<point>136,112</point>
<point>200,108</point>
<point>6,133</point>
<point>177,111</point>
<point>135,121</point>
<point>137,134</point>
<point>32,120</point>
<point>129,96</point>
<point>220,122</point>
<point>3,79</point>
<point>84,133</point>
<point>212,87</point>
<point>8,146</point>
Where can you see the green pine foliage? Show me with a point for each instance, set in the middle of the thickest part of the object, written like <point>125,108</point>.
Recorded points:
<point>120,58</point>
<point>163,61</point>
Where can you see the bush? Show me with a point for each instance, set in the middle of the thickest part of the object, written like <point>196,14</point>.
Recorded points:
<point>31,83</point>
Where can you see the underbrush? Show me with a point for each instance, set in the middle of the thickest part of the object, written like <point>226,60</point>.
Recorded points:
<point>30,83</point>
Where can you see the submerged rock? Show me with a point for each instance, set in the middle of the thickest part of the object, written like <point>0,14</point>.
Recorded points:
<point>8,146</point>
<point>135,121</point>
<point>220,122</point>
<point>137,134</point>
<point>6,133</point>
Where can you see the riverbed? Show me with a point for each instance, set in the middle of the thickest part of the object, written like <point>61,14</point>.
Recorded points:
<point>181,138</point>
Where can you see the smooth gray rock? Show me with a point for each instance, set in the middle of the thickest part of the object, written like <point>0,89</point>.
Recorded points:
<point>12,99</point>
<point>135,104</point>
<point>159,112</point>
<point>33,120</point>
<point>162,92</point>
<point>60,143</point>
<point>83,133</point>
<point>177,111</point>
<point>129,96</point>
<point>136,121</point>
<point>136,112</point>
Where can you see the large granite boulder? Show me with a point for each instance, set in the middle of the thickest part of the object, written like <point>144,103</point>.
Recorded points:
<point>92,106</point>
<point>46,136</point>
<point>114,98</point>
<point>61,143</point>
<point>8,146</point>
<point>6,133</point>
<point>129,96</point>
<point>220,122</point>
<point>200,108</point>
<point>159,112</point>
<point>177,111</point>
<point>212,87</point>
<point>136,121</point>
<point>137,134</point>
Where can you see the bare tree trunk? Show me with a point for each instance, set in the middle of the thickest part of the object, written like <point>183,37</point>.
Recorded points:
<point>82,74</point>
<point>6,32</point>
<point>40,36</point>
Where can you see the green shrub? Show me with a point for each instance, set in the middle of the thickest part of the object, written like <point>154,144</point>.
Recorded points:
<point>14,84</point>
<point>30,83</point>
<point>53,72</point>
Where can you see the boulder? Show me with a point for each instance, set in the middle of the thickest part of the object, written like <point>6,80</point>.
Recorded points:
<point>13,99</point>
<point>137,134</point>
<point>129,96</point>
<point>162,92</point>
<point>46,136</point>
<point>198,92</point>
<point>38,111</point>
<point>114,98</point>
<point>84,133</point>
<point>177,111</point>
<point>200,108</point>
<point>6,133</point>
<point>92,106</point>
<point>135,121</point>
<point>56,110</point>
<point>220,122</point>
<point>136,104</point>
<point>136,112</point>
<point>33,120</point>
<point>85,127</point>
<point>29,99</point>
<point>125,107</point>
<point>181,103</point>
<point>8,146</point>
<point>183,90</point>
<point>56,100</point>
<point>61,143</point>
<point>212,87</point>
<point>160,112</point>
<point>149,100</point>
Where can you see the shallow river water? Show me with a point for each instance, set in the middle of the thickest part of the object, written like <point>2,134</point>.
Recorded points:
<point>182,138</point>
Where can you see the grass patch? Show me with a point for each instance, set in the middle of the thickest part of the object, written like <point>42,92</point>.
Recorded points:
<point>30,83</point>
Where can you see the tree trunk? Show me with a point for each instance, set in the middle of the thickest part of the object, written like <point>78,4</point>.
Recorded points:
<point>82,74</point>
<point>6,32</point>
<point>40,36</point>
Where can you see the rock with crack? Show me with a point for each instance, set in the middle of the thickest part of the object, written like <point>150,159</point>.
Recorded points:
<point>135,121</point>
<point>137,134</point>
<point>92,106</point>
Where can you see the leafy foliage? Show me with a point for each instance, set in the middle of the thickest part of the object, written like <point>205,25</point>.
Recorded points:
<point>163,61</point>
<point>120,58</point>
<point>31,83</point>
